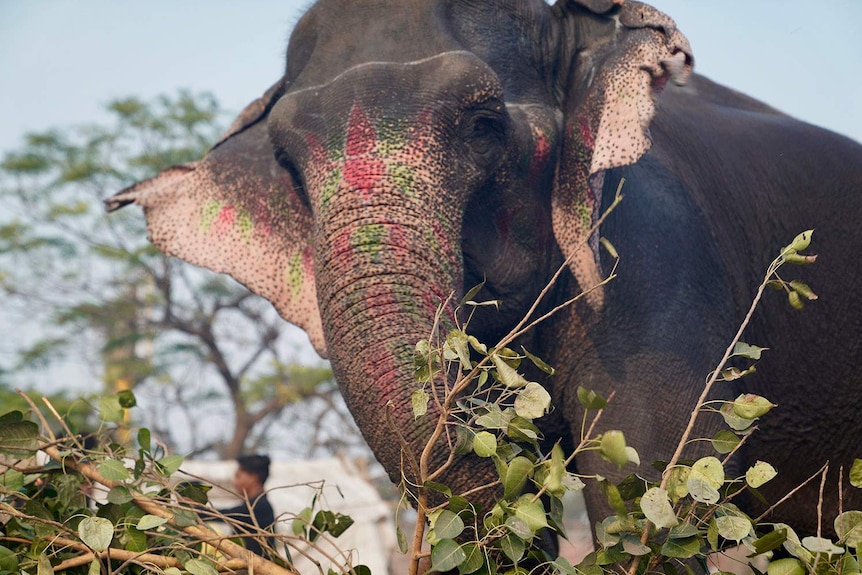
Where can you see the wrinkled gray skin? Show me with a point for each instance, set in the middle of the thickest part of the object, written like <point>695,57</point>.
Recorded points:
<point>456,141</point>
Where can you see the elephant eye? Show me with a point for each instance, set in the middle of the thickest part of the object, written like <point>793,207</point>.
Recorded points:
<point>486,131</point>
<point>295,177</point>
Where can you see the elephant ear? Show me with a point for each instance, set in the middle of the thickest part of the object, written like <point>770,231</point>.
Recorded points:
<point>236,212</point>
<point>622,53</point>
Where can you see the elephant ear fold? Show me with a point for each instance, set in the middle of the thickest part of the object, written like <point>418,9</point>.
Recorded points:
<point>236,212</point>
<point>622,53</point>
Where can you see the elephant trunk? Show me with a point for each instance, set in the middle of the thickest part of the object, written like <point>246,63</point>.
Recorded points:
<point>384,272</point>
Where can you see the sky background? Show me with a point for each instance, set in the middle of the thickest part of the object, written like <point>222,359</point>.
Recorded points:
<point>61,61</point>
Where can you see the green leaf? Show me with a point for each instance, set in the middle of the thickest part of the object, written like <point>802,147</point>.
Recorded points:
<point>681,548</point>
<point>795,300</point>
<point>800,242</point>
<point>149,522</point>
<point>613,447</point>
<point>612,251</point>
<point>725,441</point>
<point>474,559</point>
<point>750,406</point>
<point>114,470</point>
<point>439,488</point>
<point>8,560</point>
<point>446,555</point>
<point>590,399</point>
<point>793,545</point>
<point>126,399</point>
<point>677,485</point>
<point>507,374</point>
<point>419,401</point>
<point>96,532</point>
<point>485,444</point>
<point>656,506</point>
<point>520,469</point>
<point>682,531</point>
<point>856,473</point>
<point>170,464</point>
<point>710,470</point>
<point>302,521</point>
<point>519,528</point>
<point>803,290</point>
<point>733,420</point>
<point>712,534</point>
<point>184,517</point>
<point>760,473</point>
<point>199,567</point>
<point>702,490</point>
<point>556,470</point>
<point>495,419</point>
<point>457,342</point>
<point>401,538</point>
<point>615,499</point>
<point>477,345</point>
<point>531,512</point>
<point>144,440</point>
<point>771,541</point>
<point>18,438</point>
<point>448,525</point>
<point>44,567</point>
<point>110,409</point>
<point>633,546</point>
<point>513,547</point>
<point>786,566</point>
<point>742,349</point>
<point>606,533</point>
<point>821,545</point>
<point>537,361</point>
<point>533,401</point>
<point>11,480</point>
<point>119,495</point>
<point>471,293</point>
<point>848,527</point>
<point>733,528</point>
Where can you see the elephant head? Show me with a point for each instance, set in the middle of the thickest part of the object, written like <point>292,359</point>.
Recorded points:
<point>445,144</point>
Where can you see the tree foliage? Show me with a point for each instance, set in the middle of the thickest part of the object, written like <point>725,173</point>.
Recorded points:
<point>90,290</point>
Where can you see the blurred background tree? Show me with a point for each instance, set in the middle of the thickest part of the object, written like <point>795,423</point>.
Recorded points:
<point>87,297</point>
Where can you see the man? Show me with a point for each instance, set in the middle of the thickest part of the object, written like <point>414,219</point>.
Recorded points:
<point>255,511</point>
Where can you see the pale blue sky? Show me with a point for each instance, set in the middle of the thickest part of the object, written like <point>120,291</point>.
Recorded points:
<point>61,60</point>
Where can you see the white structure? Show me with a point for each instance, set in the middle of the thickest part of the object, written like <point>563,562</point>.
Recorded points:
<point>340,487</point>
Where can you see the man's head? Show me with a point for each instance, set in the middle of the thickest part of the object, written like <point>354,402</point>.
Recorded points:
<point>251,474</point>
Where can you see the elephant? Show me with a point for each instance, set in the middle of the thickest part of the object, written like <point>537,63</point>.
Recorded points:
<point>455,142</point>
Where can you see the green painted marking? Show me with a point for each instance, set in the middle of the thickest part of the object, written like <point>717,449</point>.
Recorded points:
<point>330,186</point>
<point>368,238</point>
<point>294,274</point>
<point>209,213</point>
<point>245,225</point>
<point>403,176</point>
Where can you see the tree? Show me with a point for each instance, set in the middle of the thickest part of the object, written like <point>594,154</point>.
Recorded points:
<point>90,290</point>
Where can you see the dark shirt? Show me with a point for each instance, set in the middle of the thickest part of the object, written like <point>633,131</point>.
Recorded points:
<point>263,518</point>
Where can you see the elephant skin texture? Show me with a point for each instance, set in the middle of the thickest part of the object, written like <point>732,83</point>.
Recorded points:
<point>456,142</point>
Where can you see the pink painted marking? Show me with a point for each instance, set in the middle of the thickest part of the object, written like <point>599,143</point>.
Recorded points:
<point>541,153</point>
<point>361,135</point>
<point>225,220</point>
<point>586,132</point>
<point>363,173</point>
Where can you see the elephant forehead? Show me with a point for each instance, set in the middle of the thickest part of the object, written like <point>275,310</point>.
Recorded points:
<point>338,35</point>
